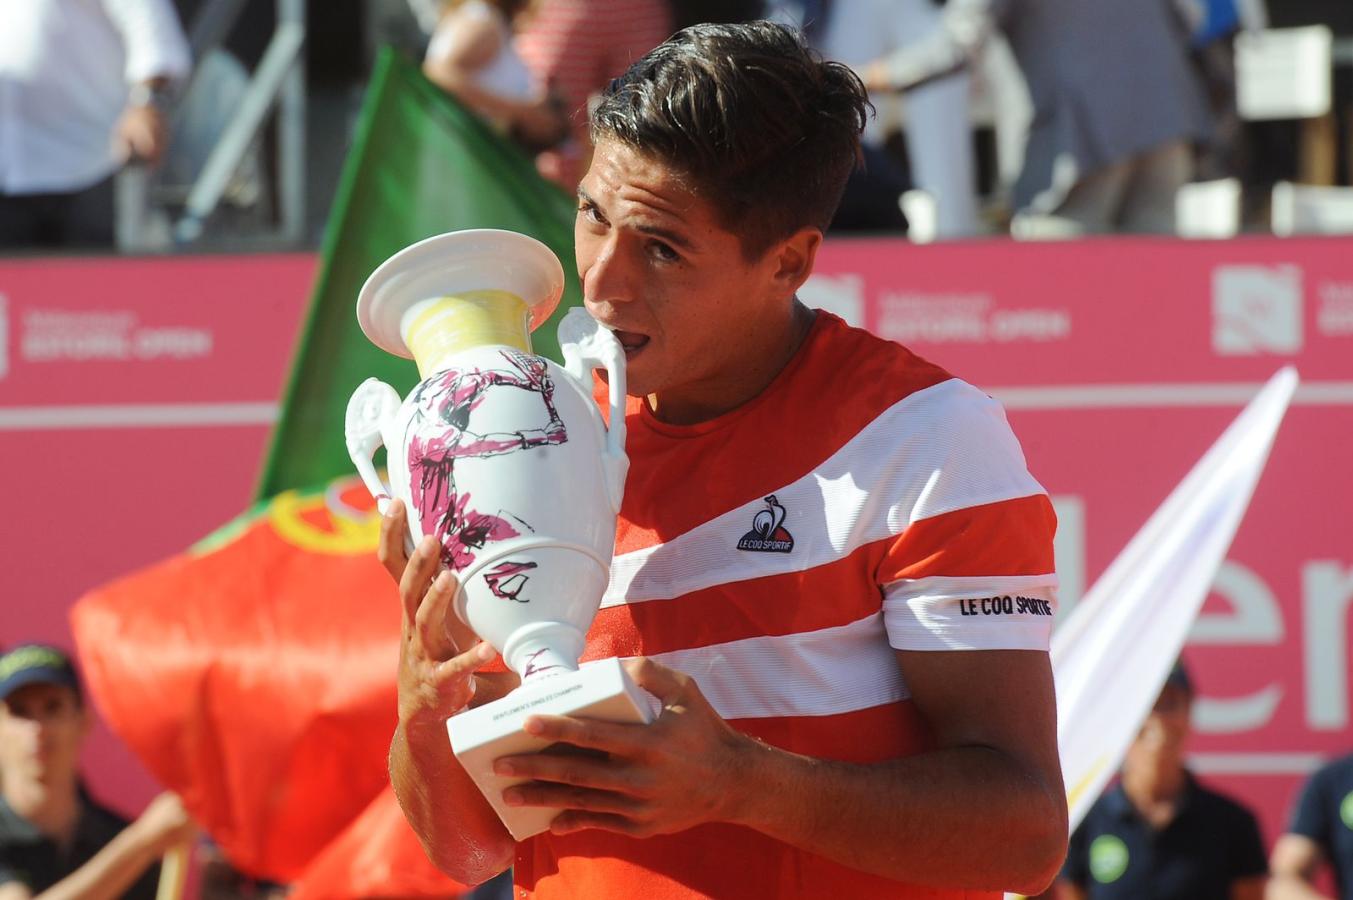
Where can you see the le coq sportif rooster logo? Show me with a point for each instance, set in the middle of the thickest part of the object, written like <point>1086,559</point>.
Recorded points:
<point>768,534</point>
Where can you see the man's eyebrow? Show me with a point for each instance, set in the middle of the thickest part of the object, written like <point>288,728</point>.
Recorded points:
<point>657,231</point>
<point>667,235</point>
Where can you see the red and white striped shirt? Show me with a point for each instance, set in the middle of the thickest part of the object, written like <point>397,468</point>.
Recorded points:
<point>866,501</point>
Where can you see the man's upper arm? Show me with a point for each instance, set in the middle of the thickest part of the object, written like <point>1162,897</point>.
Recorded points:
<point>969,588</point>
<point>999,699</point>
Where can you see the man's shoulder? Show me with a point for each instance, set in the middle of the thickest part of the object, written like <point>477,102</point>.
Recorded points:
<point>1222,806</point>
<point>14,828</point>
<point>853,348</point>
<point>1107,815</point>
<point>1335,775</point>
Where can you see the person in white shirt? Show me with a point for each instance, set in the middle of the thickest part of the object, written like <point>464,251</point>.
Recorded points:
<point>81,82</point>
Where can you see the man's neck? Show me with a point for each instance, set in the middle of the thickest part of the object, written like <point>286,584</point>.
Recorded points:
<point>53,809</point>
<point>1156,791</point>
<point>702,402</point>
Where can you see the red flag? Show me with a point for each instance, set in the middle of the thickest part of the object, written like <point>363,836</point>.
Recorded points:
<point>255,675</point>
<point>377,856</point>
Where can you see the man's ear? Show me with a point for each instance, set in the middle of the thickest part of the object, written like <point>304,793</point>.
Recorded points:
<point>794,258</point>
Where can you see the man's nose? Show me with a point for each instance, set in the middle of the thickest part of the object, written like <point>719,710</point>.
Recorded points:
<point>608,279</point>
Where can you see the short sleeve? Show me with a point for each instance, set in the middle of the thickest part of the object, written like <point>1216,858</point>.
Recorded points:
<point>973,568</point>
<point>1250,859</point>
<point>1311,817</point>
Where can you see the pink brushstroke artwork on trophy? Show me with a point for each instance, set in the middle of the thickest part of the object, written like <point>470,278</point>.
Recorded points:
<point>439,435</point>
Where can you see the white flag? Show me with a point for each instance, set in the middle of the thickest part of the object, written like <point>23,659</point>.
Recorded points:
<point>1112,654</point>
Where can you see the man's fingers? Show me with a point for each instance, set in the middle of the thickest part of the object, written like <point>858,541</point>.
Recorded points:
<point>664,683</point>
<point>564,796</point>
<point>618,738</point>
<point>390,550</point>
<point>576,820</point>
<point>459,670</point>
<point>413,581</point>
<point>430,618</point>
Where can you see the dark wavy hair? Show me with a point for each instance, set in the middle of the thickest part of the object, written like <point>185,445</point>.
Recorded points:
<point>761,126</point>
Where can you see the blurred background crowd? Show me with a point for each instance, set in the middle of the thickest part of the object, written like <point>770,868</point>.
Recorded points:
<point>224,122</point>
<point>151,126</point>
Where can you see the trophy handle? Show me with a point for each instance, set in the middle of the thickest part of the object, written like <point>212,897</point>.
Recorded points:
<point>587,345</point>
<point>372,406</point>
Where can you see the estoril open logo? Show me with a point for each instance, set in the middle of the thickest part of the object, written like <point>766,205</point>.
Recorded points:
<point>768,534</point>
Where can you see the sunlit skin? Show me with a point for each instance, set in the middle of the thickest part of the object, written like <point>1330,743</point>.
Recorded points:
<point>704,328</point>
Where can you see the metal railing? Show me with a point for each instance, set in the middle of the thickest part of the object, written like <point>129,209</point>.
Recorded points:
<point>277,83</point>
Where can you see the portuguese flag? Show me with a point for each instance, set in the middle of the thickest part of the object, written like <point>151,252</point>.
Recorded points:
<point>420,166</point>
<point>254,674</point>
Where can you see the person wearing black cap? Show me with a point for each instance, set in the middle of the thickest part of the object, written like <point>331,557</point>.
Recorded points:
<point>55,840</point>
<point>1158,833</point>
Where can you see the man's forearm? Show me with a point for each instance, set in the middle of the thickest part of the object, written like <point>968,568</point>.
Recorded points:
<point>458,829</point>
<point>1292,887</point>
<point>961,817</point>
<point>111,871</point>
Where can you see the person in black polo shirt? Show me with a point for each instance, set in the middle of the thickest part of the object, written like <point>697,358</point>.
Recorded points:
<point>1321,832</point>
<point>52,834</point>
<point>1159,834</point>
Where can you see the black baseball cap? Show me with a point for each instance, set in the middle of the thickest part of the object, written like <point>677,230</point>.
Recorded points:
<point>1179,677</point>
<point>36,664</point>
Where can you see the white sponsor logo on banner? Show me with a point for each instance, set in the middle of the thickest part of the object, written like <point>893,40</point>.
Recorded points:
<point>1334,318</point>
<point>1256,309</point>
<point>840,294</point>
<point>919,318</point>
<point>52,335</point>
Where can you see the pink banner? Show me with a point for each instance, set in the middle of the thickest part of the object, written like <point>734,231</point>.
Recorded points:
<point>136,397</point>
<point>1120,362</point>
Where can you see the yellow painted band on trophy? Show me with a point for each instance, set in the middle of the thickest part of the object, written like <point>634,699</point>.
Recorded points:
<point>472,319</point>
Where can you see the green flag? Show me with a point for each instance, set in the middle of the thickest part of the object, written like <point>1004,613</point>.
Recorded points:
<point>420,165</point>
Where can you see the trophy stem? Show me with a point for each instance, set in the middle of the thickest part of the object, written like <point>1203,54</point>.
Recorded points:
<point>439,327</point>
<point>543,649</point>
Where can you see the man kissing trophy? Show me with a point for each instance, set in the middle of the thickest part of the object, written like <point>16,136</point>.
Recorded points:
<point>503,455</point>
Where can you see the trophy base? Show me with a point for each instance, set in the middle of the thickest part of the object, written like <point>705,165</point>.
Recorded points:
<point>600,690</point>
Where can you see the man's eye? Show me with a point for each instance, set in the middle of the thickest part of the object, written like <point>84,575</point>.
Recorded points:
<point>590,212</point>
<point>663,252</point>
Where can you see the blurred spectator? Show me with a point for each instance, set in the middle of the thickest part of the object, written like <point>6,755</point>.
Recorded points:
<point>1117,105</point>
<point>81,85</point>
<point>575,48</point>
<point>471,56</point>
<point>938,129</point>
<point>686,13</point>
<point>52,833</point>
<point>1159,834</point>
<point>1321,833</point>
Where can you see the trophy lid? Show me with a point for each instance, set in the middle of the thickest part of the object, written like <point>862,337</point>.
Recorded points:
<point>452,263</point>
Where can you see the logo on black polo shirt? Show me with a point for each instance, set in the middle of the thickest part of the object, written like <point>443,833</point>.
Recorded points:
<point>1108,858</point>
<point>768,534</point>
